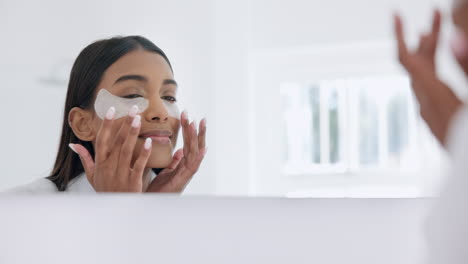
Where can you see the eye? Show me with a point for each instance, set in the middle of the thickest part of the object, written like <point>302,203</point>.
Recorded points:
<point>132,96</point>
<point>169,98</point>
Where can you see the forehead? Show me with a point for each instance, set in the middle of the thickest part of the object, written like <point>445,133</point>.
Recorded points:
<point>142,62</point>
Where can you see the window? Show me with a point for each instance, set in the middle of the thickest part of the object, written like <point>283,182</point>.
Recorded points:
<point>347,125</point>
<point>339,121</point>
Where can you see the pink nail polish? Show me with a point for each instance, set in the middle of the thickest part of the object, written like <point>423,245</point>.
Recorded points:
<point>148,143</point>
<point>133,111</point>
<point>204,122</point>
<point>184,115</point>
<point>459,45</point>
<point>72,147</point>
<point>110,113</point>
<point>136,121</point>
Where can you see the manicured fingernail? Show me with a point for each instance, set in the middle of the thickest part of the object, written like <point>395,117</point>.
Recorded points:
<point>110,113</point>
<point>133,111</point>
<point>459,45</point>
<point>72,147</point>
<point>148,143</point>
<point>136,121</point>
<point>184,115</point>
<point>203,122</point>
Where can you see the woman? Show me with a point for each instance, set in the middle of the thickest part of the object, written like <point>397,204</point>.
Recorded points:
<point>447,117</point>
<point>121,124</point>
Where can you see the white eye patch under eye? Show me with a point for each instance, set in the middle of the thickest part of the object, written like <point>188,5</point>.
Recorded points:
<point>172,109</point>
<point>106,100</point>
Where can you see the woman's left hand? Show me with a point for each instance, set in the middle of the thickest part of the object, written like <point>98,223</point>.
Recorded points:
<point>185,162</point>
<point>437,102</point>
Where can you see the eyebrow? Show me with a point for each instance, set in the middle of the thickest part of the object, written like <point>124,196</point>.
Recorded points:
<point>141,78</point>
<point>170,81</point>
<point>131,77</point>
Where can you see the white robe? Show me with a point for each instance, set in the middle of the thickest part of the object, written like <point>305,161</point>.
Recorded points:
<point>447,224</point>
<point>80,184</point>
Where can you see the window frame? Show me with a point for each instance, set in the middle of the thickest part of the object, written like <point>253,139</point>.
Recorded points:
<point>278,66</point>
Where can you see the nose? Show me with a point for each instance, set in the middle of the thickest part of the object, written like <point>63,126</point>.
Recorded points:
<point>156,111</point>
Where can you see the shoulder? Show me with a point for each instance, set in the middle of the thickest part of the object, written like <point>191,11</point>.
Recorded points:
<point>80,184</point>
<point>38,186</point>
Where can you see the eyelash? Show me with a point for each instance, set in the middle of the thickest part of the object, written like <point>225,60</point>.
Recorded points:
<point>167,98</point>
<point>132,96</point>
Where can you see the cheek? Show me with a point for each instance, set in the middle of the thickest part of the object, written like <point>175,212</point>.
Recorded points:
<point>97,123</point>
<point>460,17</point>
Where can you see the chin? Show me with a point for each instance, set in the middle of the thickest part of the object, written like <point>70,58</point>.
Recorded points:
<point>160,158</point>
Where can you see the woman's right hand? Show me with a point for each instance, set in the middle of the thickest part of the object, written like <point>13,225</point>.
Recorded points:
<point>112,171</point>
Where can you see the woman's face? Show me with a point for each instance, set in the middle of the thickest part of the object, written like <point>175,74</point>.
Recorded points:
<point>145,74</point>
<point>460,15</point>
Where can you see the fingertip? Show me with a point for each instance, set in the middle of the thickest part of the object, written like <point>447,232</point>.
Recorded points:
<point>82,152</point>
<point>133,111</point>
<point>396,16</point>
<point>78,149</point>
<point>136,122</point>
<point>183,116</point>
<point>110,115</point>
<point>203,123</point>
<point>398,28</point>
<point>148,144</point>
<point>72,147</point>
<point>191,126</point>
<point>179,154</point>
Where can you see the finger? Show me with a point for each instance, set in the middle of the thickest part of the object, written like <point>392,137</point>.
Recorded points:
<point>128,147</point>
<point>424,47</point>
<point>185,132</point>
<point>178,155</point>
<point>402,47</point>
<point>436,24</point>
<point>202,135</point>
<point>193,141</point>
<point>166,175</point>
<point>103,137</point>
<point>435,33</point>
<point>185,172</point>
<point>136,176</point>
<point>86,160</point>
<point>125,128</point>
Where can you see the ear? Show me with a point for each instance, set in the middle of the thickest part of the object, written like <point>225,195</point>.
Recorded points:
<point>80,121</point>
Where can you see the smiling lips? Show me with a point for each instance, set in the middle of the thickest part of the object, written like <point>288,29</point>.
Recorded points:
<point>158,136</point>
